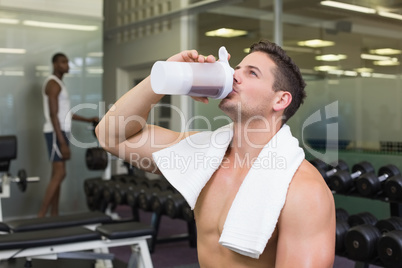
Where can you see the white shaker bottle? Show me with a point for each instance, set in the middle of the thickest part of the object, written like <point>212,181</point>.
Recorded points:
<point>213,80</point>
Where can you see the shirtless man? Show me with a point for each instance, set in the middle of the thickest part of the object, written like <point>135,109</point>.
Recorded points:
<point>266,85</point>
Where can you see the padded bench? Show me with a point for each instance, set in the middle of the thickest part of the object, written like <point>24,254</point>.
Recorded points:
<point>68,242</point>
<point>46,223</point>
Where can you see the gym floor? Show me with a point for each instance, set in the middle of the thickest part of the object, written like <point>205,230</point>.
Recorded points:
<point>166,255</point>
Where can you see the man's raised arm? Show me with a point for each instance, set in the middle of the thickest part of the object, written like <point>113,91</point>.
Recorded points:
<point>123,131</point>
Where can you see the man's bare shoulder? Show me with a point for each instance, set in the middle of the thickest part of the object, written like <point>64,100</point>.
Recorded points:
<point>52,87</point>
<point>307,176</point>
<point>309,188</point>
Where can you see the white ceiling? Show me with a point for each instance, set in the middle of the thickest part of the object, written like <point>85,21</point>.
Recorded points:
<point>86,8</point>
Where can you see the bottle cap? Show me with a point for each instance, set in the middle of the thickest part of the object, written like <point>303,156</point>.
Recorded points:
<point>229,72</point>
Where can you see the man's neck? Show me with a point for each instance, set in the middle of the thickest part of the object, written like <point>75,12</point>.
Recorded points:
<point>249,139</point>
<point>59,75</point>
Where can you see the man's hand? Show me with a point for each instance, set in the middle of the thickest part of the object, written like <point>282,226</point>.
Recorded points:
<point>65,151</point>
<point>193,56</point>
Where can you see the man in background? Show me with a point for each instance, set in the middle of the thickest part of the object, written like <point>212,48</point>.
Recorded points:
<point>57,127</point>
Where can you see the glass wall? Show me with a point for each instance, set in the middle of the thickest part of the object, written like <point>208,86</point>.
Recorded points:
<point>350,59</point>
<point>27,42</point>
<point>343,65</point>
<point>351,63</point>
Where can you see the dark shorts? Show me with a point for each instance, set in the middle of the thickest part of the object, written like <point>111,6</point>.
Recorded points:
<point>53,147</point>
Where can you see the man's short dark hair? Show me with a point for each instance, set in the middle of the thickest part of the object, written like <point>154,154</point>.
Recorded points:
<point>57,56</point>
<point>287,75</point>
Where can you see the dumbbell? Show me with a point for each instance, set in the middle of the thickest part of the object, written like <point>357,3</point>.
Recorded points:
<point>163,185</point>
<point>341,214</point>
<point>133,190</point>
<point>119,193</point>
<point>390,249</point>
<point>143,181</point>
<point>92,203</point>
<point>187,213</point>
<point>158,202</point>
<point>342,228</point>
<point>361,242</point>
<point>96,158</point>
<point>343,181</point>
<point>145,197</point>
<point>89,185</point>
<point>108,191</point>
<point>362,218</point>
<point>21,180</point>
<point>174,205</point>
<point>327,171</point>
<point>369,184</point>
<point>97,189</point>
<point>390,224</point>
<point>393,188</point>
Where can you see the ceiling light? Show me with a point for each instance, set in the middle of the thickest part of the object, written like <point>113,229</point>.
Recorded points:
<point>364,74</point>
<point>342,72</point>
<point>364,70</point>
<point>9,21</point>
<point>299,49</point>
<point>95,70</point>
<point>95,54</point>
<point>348,7</point>
<point>246,50</point>
<point>391,62</point>
<point>331,57</point>
<point>388,76</point>
<point>13,73</point>
<point>386,51</point>
<point>350,73</point>
<point>60,25</point>
<point>42,68</point>
<point>336,72</point>
<point>316,43</point>
<point>390,15</point>
<point>325,68</point>
<point>226,32</point>
<point>13,50</point>
<point>373,57</point>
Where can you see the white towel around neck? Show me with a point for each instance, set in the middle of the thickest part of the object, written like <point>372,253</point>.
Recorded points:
<point>189,164</point>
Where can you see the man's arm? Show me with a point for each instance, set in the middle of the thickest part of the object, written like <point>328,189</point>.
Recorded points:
<point>52,91</point>
<point>85,119</point>
<point>307,222</point>
<point>123,131</point>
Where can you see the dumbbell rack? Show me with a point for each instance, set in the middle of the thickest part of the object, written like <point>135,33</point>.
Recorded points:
<point>395,206</point>
<point>395,210</point>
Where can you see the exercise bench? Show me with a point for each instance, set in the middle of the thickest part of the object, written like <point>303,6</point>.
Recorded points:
<point>87,219</point>
<point>71,242</point>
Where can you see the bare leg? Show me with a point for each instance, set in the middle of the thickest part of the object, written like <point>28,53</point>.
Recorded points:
<point>55,203</point>
<point>53,188</point>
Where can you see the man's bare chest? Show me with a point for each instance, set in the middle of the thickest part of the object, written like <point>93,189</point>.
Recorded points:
<point>216,198</point>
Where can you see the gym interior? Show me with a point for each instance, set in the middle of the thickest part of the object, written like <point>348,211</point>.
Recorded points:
<point>350,126</point>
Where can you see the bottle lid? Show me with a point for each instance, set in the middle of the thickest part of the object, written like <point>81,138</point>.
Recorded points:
<point>229,72</point>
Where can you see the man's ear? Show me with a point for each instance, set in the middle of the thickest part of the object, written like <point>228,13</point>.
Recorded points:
<point>284,98</point>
